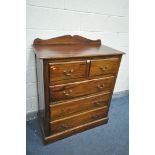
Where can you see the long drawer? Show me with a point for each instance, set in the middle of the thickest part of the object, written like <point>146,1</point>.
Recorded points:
<point>76,120</point>
<point>75,106</point>
<point>72,131</point>
<point>77,89</point>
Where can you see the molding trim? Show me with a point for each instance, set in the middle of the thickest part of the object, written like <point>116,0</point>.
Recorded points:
<point>33,115</point>
<point>67,40</point>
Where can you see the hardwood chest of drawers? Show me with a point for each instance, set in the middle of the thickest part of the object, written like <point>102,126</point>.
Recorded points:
<point>75,81</point>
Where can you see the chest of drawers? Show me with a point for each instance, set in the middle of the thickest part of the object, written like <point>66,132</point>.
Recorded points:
<point>75,81</point>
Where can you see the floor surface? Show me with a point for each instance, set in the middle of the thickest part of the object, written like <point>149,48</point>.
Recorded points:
<point>109,139</point>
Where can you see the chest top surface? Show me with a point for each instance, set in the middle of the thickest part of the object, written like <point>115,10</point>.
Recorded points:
<point>71,47</point>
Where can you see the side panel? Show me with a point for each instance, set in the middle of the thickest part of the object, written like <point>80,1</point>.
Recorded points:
<point>42,108</point>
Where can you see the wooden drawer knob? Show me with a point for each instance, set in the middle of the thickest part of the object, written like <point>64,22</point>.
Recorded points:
<point>104,68</point>
<point>100,86</point>
<point>53,67</point>
<point>68,73</point>
<point>67,93</point>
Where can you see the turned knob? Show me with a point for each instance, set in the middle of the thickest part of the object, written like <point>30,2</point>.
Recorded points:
<point>104,68</point>
<point>67,93</point>
<point>68,73</point>
<point>100,86</point>
<point>53,67</point>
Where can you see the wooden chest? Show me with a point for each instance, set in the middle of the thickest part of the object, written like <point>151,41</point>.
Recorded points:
<point>76,78</point>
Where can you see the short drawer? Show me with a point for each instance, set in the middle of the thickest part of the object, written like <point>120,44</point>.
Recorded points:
<point>75,106</point>
<point>77,89</point>
<point>67,70</point>
<point>104,66</point>
<point>76,120</point>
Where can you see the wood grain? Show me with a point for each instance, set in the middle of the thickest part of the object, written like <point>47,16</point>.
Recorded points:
<point>104,66</point>
<point>76,78</point>
<point>72,131</point>
<point>67,70</point>
<point>73,51</point>
<point>76,120</point>
<point>67,39</point>
<point>71,47</point>
<point>77,89</point>
<point>68,108</point>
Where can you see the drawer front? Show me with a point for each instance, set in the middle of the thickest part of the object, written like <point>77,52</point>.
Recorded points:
<point>72,107</point>
<point>71,122</point>
<point>72,90</point>
<point>104,66</point>
<point>67,70</point>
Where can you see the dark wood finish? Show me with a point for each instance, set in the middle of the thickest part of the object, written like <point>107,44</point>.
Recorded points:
<point>79,119</point>
<point>104,66</point>
<point>77,89</point>
<point>72,131</point>
<point>76,78</point>
<point>67,70</point>
<point>79,105</point>
<point>71,47</point>
<point>68,39</point>
<point>43,112</point>
<point>73,51</point>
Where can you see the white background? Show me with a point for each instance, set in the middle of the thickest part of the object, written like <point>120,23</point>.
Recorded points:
<point>13,79</point>
<point>95,19</point>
